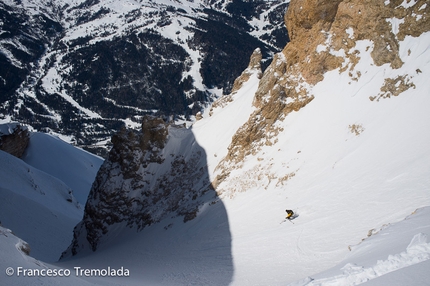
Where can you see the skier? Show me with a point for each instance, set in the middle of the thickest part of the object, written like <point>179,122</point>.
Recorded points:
<point>290,214</point>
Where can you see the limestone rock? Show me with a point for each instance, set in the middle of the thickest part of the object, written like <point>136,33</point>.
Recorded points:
<point>254,67</point>
<point>323,36</point>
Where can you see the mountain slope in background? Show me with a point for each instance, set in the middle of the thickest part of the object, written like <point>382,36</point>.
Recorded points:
<point>85,68</point>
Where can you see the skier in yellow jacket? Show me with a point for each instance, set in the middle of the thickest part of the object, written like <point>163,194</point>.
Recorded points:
<point>290,214</point>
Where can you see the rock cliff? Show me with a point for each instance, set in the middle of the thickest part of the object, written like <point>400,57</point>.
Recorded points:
<point>149,175</point>
<point>323,37</point>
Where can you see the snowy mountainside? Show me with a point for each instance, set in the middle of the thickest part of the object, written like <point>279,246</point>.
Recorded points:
<point>105,64</point>
<point>336,128</point>
<point>339,132</point>
<point>48,153</point>
<point>396,254</point>
<point>336,131</point>
<point>27,28</point>
<point>38,207</point>
<point>44,193</point>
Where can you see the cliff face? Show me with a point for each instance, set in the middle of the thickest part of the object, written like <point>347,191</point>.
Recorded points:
<point>324,37</point>
<point>338,25</point>
<point>157,172</point>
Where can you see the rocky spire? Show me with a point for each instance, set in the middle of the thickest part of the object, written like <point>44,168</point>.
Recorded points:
<point>149,174</point>
<point>254,66</point>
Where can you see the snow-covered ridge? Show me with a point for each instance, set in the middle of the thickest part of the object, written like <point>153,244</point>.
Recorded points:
<point>43,194</point>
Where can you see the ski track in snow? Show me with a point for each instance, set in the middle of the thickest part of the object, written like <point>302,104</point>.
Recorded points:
<point>417,251</point>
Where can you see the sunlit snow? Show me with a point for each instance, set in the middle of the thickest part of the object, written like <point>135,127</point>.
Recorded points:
<point>362,198</point>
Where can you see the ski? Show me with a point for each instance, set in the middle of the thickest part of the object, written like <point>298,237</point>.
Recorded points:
<point>286,220</point>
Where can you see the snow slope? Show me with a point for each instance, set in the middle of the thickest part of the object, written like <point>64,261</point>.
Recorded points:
<point>37,206</point>
<point>344,185</point>
<point>13,256</point>
<point>341,184</point>
<point>397,254</point>
<point>49,154</point>
<point>348,182</point>
<point>42,196</point>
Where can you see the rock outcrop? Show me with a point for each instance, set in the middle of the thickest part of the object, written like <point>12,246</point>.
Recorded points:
<point>149,175</point>
<point>254,67</point>
<point>323,37</point>
<point>14,139</point>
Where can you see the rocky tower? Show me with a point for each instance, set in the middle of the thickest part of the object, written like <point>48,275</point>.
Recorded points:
<point>323,37</point>
<point>149,175</point>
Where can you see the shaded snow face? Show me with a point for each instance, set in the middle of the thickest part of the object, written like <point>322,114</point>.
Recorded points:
<point>156,175</point>
<point>42,196</point>
<point>75,167</point>
<point>38,207</point>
